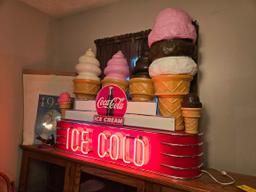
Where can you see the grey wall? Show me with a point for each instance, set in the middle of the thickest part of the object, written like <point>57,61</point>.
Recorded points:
<point>25,36</point>
<point>227,65</point>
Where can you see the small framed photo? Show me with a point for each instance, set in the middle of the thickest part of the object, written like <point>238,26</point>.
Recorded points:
<point>48,113</point>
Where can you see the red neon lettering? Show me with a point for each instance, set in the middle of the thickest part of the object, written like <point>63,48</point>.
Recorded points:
<point>74,131</point>
<point>102,145</point>
<point>78,140</point>
<point>126,150</point>
<point>139,152</point>
<point>120,147</point>
<point>67,138</point>
<point>85,143</point>
<point>114,147</point>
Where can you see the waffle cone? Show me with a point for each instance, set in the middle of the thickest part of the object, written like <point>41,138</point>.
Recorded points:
<point>63,107</point>
<point>172,84</point>
<point>171,107</point>
<point>141,89</point>
<point>86,89</point>
<point>191,119</point>
<point>120,83</point>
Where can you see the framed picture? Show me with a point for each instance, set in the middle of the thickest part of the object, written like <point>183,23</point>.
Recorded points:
<point>48,113</point>
<point>34,85</point>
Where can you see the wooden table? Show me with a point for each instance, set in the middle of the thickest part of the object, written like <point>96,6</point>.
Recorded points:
<point>143,181</point>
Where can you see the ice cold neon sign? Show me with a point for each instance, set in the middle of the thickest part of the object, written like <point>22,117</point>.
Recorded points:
<point>116,146</point>
<point>172,154</point>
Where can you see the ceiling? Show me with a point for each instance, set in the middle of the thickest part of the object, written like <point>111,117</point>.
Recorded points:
<point>59,8</point>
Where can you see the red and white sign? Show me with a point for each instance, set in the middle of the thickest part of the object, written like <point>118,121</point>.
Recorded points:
<point>173,154</point>
<point>111,101</point>
<point>111,105</point>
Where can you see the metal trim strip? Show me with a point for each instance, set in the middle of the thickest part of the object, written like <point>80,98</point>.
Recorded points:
<point>182,168</point>
<point>183,156</point>
<point>182,145</point>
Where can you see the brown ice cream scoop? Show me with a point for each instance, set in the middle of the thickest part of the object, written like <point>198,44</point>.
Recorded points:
<point>191,101</point>
<point>141,68</point>
<point>174,47</point>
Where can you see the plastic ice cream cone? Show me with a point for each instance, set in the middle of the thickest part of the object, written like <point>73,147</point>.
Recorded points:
<point>172,84</point>
<point>64,101</point>
<point>141,89</point>
<point>191,119</point>
<point>120,83</point>
<point>87,82</point>
<point>86,89</point>
<point>116,71</point>
<point>63,107</point>
<point>170,90</point>
<point>170,106</point>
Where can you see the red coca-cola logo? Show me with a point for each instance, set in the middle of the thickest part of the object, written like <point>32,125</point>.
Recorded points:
<point>111,101</point>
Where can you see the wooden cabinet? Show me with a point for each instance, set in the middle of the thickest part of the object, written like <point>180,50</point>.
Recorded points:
<point>120,181</point>
<point>38,169</point>
<point>51,170</point>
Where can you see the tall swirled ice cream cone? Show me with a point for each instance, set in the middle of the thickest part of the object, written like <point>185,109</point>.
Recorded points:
<point>87,83</point>
<point>117,71</point>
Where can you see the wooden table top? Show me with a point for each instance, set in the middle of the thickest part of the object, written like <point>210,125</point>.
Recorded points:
<point>203,183</point>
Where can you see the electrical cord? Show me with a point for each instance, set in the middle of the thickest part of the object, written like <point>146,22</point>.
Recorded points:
<point>224,173</point>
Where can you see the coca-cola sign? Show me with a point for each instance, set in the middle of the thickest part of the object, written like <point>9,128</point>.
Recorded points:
<point>111,101</point>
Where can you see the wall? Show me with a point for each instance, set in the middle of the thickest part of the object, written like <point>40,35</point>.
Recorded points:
<point>24,35</point>
<point>227,65</point>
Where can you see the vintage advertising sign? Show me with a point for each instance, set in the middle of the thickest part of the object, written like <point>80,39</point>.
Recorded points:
<point>172,154</point>
<point>111,105</point>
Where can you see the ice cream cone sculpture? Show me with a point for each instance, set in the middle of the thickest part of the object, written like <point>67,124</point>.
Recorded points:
<point>191,111</point>
<point>141,89</point>
<point>141,86</point>
<point>172,23</point>
<point>170,90</point>
<point>117,71</point>
<point>64,101</point>
<point>87,83</point>
<point>172,44</point>
<point>86,89</point>
<point>191,119</point>
<point>123,84</point>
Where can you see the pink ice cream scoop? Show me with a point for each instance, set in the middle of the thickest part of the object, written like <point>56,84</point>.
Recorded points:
<point>172,24</point>
<point>64,98</point>
<point>117,67</point>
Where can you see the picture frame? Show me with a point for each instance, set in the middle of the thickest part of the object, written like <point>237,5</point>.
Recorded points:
<point>48,114</point>
<point>37,83</point>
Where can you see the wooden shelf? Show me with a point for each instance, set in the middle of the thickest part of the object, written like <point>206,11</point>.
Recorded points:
<point>152,182</point>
